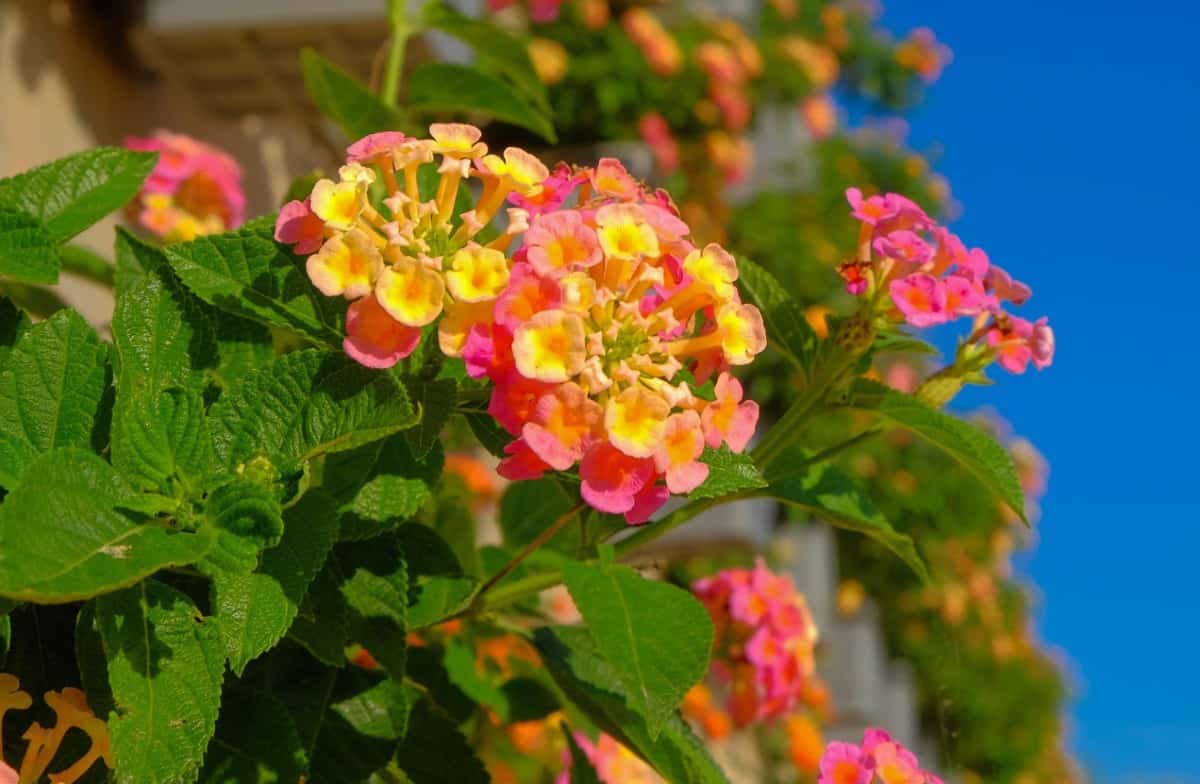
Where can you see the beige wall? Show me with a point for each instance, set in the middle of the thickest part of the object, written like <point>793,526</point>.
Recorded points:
<point>61,92</point>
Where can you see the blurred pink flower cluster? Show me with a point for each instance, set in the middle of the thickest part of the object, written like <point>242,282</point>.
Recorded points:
<point>877,759</point>
<point>763,649</point>
<point>614,763</point>
<point>194,190</point>
<point>931,278</point>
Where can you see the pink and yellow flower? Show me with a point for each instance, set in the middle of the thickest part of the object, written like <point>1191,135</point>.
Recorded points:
<point>763,650</point>
<point>195,189</point>
<point>877,759</point>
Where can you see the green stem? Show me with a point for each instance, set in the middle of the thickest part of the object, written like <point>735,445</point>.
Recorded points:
<point>82,262</point>
<point>397,15</point>
<point>541,539</point>
<point>837,449</point>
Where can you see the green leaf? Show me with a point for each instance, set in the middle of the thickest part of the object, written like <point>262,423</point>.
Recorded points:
<point>67,532</point>
<point>435,401</point>
<point>50,391</point>
<point>574,660</point>
<point>92,661</point>
<point>255,740</point>
<point>255,610</point>
<point>437,586</point>
<point>247,517</point>
<point>322,624</point>
<point>897,342</point>
<point>165,669</point>
<point>656,637</point>
<point>380,485</point>
<point>728,473</point>
<point>435,752</point>
<point>162,436</point>
<point>163,334</point>
<point>488,432</point>
<point>427,668</point>
<point>582,771</point>
<point>494,48</point>
<point>460,666</point>
<point>446,87</point>
<point>970,446</point>
<point>306,404</point>
<point>375,584</point>
<point>246,273</point>
<point>378,708</point>
<point>27,250</point>
<point>787,328</point>
<point>70,194</point>
<point>243,346</point>
<point>832,496</point>
<point>343,99</point>
<point>528,508</point>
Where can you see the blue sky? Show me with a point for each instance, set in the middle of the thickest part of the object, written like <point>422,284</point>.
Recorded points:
<point>1069,132</point>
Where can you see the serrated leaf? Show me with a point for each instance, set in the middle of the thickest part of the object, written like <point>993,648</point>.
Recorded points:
<point>380,485</point>
<point>437,585</point>
<point>27,250</point>
<point>247,518</point>
<point>161,436</point>
<point>377,708</point>
<point>435,752</point>
<point>162,333</point>
<point>255,741</point>
<point>165,668</point>
<point>895,342</point>
<point>374,581</point>
<point>728,473</point>
<point>656,637</point>
<point>246,273</point>
<point>322,623</point>
<point>528,508</point>
<point>70,194</point>
<point>832,496</point>
<point>494,48</point>
<point>488,432</point>
<point>787,328</point>
<point>306,404</point>
<point>977,451</point>
<point>447,87</point>
<point>574,660</point>
<point>255,610</point>
<point>435,401</point>
<point>343,99</point>
<point>50,391</point>
<point>67,533</point>
<point>243,346</point>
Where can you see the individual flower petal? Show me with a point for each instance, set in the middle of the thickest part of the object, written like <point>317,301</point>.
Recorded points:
<point>612,479</point>
<point>636,420</point>
<point>728,418</point>
<point>477,274</point>
<point>565,423</point>
<point>411,292</point>
<point>921,298</point>
<point>560,242</point>
<point>337,203</point>
<point>743,335</point>
<point>346,265</point>
<point>374,338</point>
<point>550,346</point>
<point>298,226</point>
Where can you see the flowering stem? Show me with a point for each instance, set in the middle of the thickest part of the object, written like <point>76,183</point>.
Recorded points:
<point>540,540</point>
<point>397,15</point>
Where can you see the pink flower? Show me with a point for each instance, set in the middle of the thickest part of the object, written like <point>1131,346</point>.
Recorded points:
<point>374,338</point>
<point>560,242</point>
<point>299,227</point>
<point>950,251</point>
<point>728,418</point>
<point>564,426</point>
<point>963,297</point>
<point>872,210</point>
<point>844,763</point>
<point>921,298</point>
<point>905,247</point>
<point>555,190</point>
<point>374,146</point>
<point>1005,288</point>
<point>1041,343</point>
<point>514,399</point>
<point>646,503</point>
<point>521,462</point>
<point>527,293</point>
<point>612,479</point>
<point>1013,351</point>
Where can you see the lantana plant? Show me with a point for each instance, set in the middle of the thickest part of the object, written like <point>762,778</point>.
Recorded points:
<point>233,547</point>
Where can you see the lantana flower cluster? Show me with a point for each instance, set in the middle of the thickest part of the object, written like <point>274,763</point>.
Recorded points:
<point>195,189</point>
<point>877,759</point>
<point>71,712</point>
<point>923,274</point>
<point>418,263</point>
<point>765,636</point>
<point>605,305</point>
<point>584,329</point>
<point>613,762</point>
